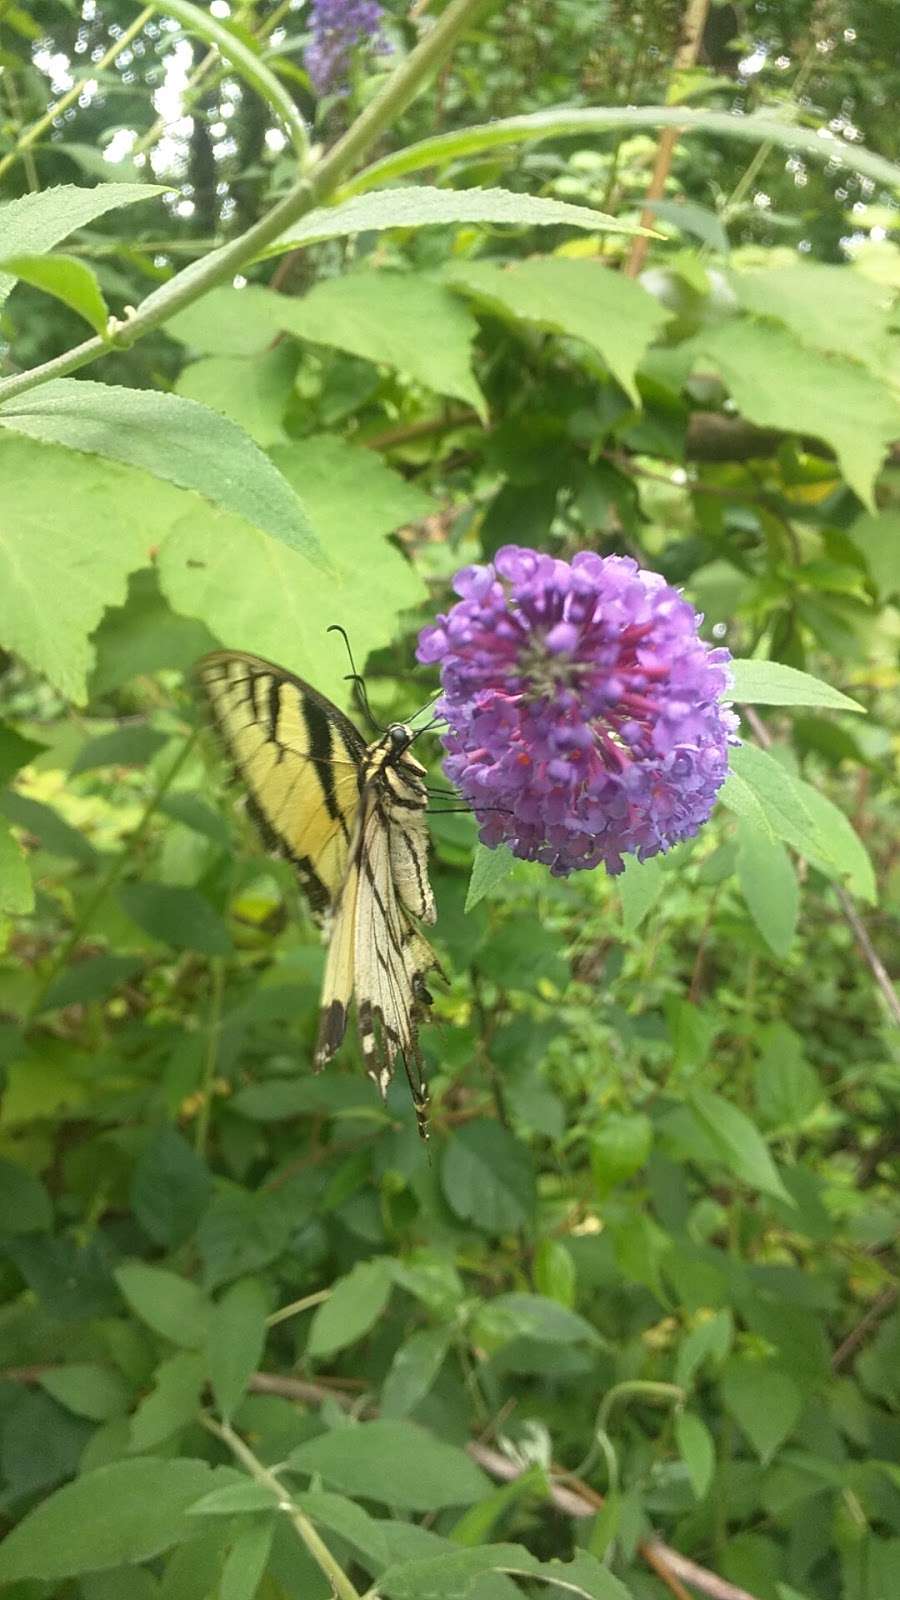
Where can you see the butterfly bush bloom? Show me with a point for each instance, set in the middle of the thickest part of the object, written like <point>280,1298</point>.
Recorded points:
<point>584,710</point>
<point>338,26</point>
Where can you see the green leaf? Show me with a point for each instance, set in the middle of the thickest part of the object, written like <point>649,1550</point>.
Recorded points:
<point>764,1402</point>
<point>247,65</point>
<point>353,1307</point>
<point>414,1368</point>
<point>580,299</point>
<point>785,1087</point>
<point>253,392</point>
<point>122,747</point>
<point>55,834</point>
<point>66,278</point>
<point>743,1149</point>
<point>380,315</point>
<point>558,122</point>
<point>72,528</point>
<point>282,605</point>
<point>236,1499</point>
<point>771,683</point>
<point>835,847</point>
<point>15,753</point>
<point>877,538</point>
<point>697,1451</point>
<point>349,1521</point>
<point>835,309</point>
<point>166,1303</point>
<point>394,1462</point>
<point>179,917</point>
<point>246,1561</point>
<point>174,439</point>
<point>777,383</point>
<point>709,1341</point>
<point>93,979</point>
<point>170,1188</point>
<point>534,1316</point>
<point>783,811</point>
<point>450,1576</point>
<point>555,1273</point>
<point>489,868</point>
<point>425,206</point>
<point>688,217</point>
<point>487,1176</point>
<point>128,1512</point>
<point>172,1404</point>
<point>35,223</point>
<point>24,1202</point>
<point>619,1147</point>
<point>227,322</point>
<point>87,1390</point>
<point>639,886</point>
<point>237,1335</point>
<point>16,888</point>
<point>769,886</point>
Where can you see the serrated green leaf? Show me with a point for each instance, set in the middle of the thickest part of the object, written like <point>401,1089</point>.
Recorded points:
<point>282,606</point>
<point>831,308</point>
<point>423,206</point>
<point>771,683</point>
<point>174,439</point>
<point>66,278</point>
<point>835,847</point>
<point>616,317</point>
<point>396,1462</point>
<point>353,1307</point>
<point>36,222</point>
<point>777,383</point>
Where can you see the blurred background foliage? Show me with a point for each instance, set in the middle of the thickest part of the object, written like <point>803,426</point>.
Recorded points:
<point>654,1242</point>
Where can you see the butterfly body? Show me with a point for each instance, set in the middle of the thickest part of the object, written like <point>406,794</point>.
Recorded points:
<point>350,818</point>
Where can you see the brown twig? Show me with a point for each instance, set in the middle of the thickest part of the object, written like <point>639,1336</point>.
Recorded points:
<point>873,960</point>
<point>685,57</point>
<point>858,1335</point>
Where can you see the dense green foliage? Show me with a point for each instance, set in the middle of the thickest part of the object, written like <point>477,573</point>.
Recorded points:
<point>255,1338</point>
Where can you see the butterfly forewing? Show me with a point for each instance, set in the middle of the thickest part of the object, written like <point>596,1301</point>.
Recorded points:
<point>350,817</point>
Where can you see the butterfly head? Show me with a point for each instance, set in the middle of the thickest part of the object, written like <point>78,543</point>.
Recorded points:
<point>399,737</point>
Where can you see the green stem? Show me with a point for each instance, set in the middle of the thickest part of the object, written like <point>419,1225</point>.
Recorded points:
<point>318,184</point>
<point>296,1306</point>
<point>32,134</point>
<point>306,1533</point>
<point>113,873</point>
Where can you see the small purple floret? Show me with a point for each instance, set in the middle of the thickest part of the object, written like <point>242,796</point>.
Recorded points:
<point>337,27</point>
<point>586,719</point>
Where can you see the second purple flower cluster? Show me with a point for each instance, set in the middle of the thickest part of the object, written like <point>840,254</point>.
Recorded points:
<point>585,714</point>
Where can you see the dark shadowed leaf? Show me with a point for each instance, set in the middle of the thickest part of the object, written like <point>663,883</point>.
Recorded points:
<point>488,1177</point>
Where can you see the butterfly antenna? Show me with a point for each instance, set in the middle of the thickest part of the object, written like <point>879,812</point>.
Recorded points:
<point>356,679</point>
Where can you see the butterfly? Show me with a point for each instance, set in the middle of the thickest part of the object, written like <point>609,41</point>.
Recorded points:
<point>350,818</point>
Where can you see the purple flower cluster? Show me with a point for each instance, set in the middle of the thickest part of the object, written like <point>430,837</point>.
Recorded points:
<point>584,711</point>
<point>337,27</point>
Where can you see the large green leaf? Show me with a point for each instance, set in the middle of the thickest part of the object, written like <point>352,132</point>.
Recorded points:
<point>778,383</point>
<point>402,320</point>
<point>282,606</point>
<point>180,917</point>
<point>877,539</point>
<point>174,439</point>
<point>167,1303</point>
<point>743,1148</point>
<point>763,1400</point>
<point>769,886</point>
<point>396,1462</point>
<point>71,529</point>
<point>237,1334</point>
<point>582,299</point>
<point>128,1512</point>
<point>424,206</point>
<point>36,222</point>
<point>834,309</point>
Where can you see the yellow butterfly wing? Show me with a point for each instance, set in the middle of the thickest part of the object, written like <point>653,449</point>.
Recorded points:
<point>300,760</point>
